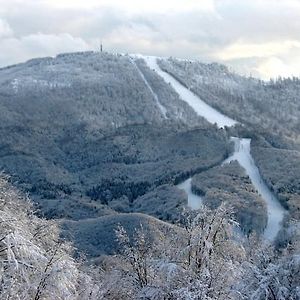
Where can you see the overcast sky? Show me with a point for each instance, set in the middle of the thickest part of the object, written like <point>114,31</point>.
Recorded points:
<point>258,37</point>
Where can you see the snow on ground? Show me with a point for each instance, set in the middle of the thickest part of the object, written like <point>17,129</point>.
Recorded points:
<point>241,154</point>
<point>203,109</point>
<point>194,201</point>
<point>275,210</point>
<point>160,106</point>
<point>28,81</point>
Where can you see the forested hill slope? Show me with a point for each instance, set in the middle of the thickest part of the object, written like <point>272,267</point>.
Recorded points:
<point>87,133</point>
<point>269,112</point>
<point>94,135</point>
<point>271,105</point>
<point>101,143</point>
<point>97,90</point>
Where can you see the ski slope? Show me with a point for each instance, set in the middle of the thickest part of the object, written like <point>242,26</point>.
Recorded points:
<point>275,211</point>
<point>162,108</point>
<point>200,107</point>
<point>242,153</point>
<point>194,201</point>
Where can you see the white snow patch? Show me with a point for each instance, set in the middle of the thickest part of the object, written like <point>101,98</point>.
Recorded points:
<point>160,106</point>
<point>194,201</point>
<point>15,85</point>
<point>203,109</point>
<point>242,153</point>
<point>28,82</point>
<point>275,210</point>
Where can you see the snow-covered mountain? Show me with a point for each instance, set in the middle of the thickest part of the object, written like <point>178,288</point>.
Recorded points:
<point>98,140</point>
<point>272,105</point>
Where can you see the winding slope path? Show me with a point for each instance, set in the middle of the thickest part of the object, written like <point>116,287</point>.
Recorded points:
<point>163,110</point>
<point>242,153</point>
<point>275,210</point>
<point>194,201</point>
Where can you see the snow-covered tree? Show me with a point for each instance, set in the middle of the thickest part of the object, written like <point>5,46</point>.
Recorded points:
<point>34,262</point>
<point>202,262</point>
<point>269,274</point>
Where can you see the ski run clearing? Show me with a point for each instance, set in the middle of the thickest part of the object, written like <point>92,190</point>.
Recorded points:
<point>241,154</point>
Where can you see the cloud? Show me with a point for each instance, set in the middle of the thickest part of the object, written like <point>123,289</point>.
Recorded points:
<point>244,50</point>
<point>5,30</point>
<point>37,45</point>
<point>135,6</point>
<point>265,60</point>
<point>248,35</point>
<point>276,67</point>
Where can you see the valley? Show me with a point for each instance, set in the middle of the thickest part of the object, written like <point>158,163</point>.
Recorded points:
<point>241,154</point>
<point>146,176</point>
<point>128,137</point>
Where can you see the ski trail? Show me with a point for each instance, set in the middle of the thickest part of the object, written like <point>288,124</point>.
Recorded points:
<point>201,108</point>
<point>162,108</point>
<point>194,201</point>
<point>275,211</point>
<point>242,153</point>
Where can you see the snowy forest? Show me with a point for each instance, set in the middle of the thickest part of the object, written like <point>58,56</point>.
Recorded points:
<point>199,258</point>
<point>272,105</point>
<point>100,156</point>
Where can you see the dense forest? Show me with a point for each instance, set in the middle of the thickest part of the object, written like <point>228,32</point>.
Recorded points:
<point>196,259</point>
<point>229,183</point>
<point>269,113</point>
<point>92,149</point>
<point>273,105</point>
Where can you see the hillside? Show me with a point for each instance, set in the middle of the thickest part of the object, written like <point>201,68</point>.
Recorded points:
<point>285,182</point>
<point>272,105</point>
<point>85,135</point>
<point>94,134</point>
<point>96,237</point>
<point>230,183</point>
<point>268,112</point>
<point>98,91</point>
<point>35,262</point>
<point>102,144</point>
